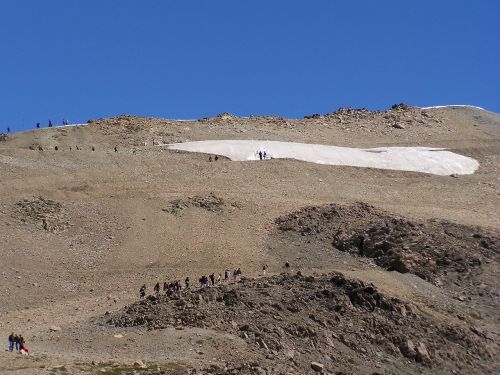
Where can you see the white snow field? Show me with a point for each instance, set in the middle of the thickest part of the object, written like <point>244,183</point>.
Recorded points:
<point>453,105</point>
<point>436,161</point>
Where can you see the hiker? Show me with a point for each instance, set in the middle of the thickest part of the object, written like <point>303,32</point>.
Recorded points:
<point>142,292</point>
<point>93,148</point>
<point>78,148</point>
<point>212,279</point>
<point>216,157</point>
<point>157,290</point>
<point>238,273</point>
<point>38,125</point>
<point>56,148</point>
<point>210,158</point>
<point>165,286</point>
<point>219,278</point>
<point>50,123</point>
<point>70,148</point>
<point>116,149</point>
<point>226,275</point>
<point>8,130</point>
<point>260,155</point>
<point>11,342</point>
<point>21,342</point>
<point>265,155</point>
<point>264,270</point>
<point>287,265</point>
<point>186,282</point>
<point>17,342</point>
<point>40,148</point>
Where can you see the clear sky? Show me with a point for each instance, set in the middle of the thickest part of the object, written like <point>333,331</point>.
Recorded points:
<point>87,59</point>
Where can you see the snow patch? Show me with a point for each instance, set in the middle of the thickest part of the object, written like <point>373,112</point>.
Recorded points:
<point>453,105</point>
<point>436,161</point>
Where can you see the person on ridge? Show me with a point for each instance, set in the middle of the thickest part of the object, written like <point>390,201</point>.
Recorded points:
<point>186,282</point>
<point>8,130</point>
<point>157,290</point>
<point>38,125</point>
<point>50,124</point>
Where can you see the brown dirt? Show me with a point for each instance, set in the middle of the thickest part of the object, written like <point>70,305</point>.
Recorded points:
<point>107,233</point>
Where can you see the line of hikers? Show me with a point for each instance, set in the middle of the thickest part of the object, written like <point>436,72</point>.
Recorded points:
<point>17,342</point>
<point>64,122</point>
<point>204,281</point>
<point>38,126</point>
<point>78,148</point>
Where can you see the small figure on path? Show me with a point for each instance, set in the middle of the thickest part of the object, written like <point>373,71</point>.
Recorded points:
<point>260,155</point>
<point>212,279</point>
<point>157,290</point>
<point>38,125</point>
<point>50,123</point>
<point>142,292</point>
<point>11,342</point>
<point>56,148</point>
<point>210,158</point>
<point>226,275</point>
<point>8,130</point>
<point>264,270</point>
<point>116,149</point>
<point>186,282</point>
<point>40,148</point>
<point>216,157</point>
<point>93,148</point>
<point>219,278</point>
<point>287,265</point>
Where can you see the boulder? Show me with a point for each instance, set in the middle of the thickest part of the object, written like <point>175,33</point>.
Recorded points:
<point>139,364</point>
<point>422,353</point>
<point>318,367</point>
<point>408,349</point>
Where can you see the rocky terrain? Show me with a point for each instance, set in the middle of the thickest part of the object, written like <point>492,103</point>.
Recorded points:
<point>335,322</point>
<point>390,272</point>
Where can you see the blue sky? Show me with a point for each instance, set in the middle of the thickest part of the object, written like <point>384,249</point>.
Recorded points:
<point>189,59</point>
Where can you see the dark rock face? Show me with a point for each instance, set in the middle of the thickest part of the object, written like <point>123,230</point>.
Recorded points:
<point>427,249</point>
<point>298,320</point>
<point>211,203</point>
<point>44,213</point>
